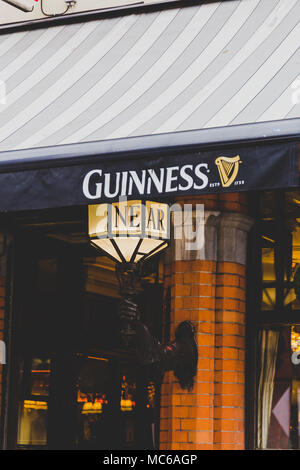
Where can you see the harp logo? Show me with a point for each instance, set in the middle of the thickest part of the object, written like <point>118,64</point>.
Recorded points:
<point>228,169</point>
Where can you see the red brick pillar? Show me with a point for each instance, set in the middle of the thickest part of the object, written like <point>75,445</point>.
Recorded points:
<point>187,417</point>
<point>230,332</point>
<point>207,287</point>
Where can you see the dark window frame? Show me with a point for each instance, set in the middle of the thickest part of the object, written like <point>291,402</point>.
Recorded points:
<point>256,318</point>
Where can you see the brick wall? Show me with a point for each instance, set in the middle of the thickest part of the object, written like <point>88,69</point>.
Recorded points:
<point>229,364</point>
<point>187,417</point>
<point>210,293</point>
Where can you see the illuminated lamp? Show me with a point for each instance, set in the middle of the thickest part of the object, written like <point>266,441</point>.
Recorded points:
<point>126,404</point>
<point>91,408</point>
<point>130,233</point>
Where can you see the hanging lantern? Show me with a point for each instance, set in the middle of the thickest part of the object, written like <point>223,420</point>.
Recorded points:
<point>129,231</point>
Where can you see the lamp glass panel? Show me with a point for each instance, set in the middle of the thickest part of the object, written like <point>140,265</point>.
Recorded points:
<point>149,244</point>
<point>157,219</point>
<point>126,218</point>
<point>127,246</point>
<point>159,248</point>
<point>98,220</point>
<point>106,245</point>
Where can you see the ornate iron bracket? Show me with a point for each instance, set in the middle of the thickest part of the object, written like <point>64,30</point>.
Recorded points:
<point>128,275</point>
<point>179,355</point>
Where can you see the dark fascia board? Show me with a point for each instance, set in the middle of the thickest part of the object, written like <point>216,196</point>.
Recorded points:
<point>122,10</point>
<point>287,130</point>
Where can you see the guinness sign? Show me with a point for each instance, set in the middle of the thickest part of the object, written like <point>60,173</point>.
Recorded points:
<point>228,169</point>
<point>141,175</point>
<point>162,180</point>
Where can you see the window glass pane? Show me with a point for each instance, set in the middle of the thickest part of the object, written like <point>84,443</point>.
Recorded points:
<point>268,265</point>
<point>291,299</point>
<point>296,244</point>
<point>32,429</point>
<point>127,406</point>
<point>33,406</point>
<point>279,388</point>
<point>268,269</point>
<point>93,403</point>
<point>40,377</point>
<point>268,298</point>
<point>151,394</point>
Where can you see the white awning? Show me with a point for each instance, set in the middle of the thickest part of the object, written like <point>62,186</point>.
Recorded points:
<point>195,67</point>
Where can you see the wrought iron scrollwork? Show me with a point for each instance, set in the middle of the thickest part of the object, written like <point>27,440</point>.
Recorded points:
<point>179,355</point>
<point>128,275</point>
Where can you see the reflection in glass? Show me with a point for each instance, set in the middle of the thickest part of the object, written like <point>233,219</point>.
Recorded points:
<point>279,389</point>
<point>268,274</point>
<point>127,406</point>
<point>268,298</point>
<point>33,407</point>
<point>268,264</point>
<point>32,429</point>
<point>295,338</point>
<point>151,391</point>
<point>40,377</point>
<point>296,244</point>
<point>291,300</point>
<point>128,390</point>
<point>92,402</point>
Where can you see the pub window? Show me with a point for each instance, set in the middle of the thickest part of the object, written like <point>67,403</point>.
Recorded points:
<point>33,403</point>
<point>276,322</point>
<point>72,384</point>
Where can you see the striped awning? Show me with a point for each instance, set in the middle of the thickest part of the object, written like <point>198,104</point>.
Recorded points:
<point>195,67</point>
